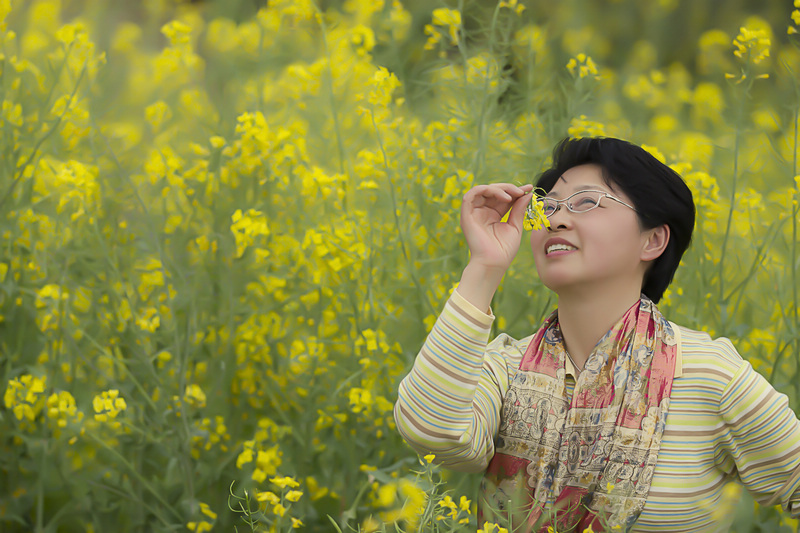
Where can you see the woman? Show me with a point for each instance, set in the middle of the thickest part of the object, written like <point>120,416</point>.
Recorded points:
<point>610,417</point>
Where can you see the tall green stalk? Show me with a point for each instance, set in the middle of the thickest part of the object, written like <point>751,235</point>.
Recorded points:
<point>723,319</point>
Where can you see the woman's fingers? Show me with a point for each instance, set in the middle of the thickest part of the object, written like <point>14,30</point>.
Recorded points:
<point>498,196</point>
<point>492,241</point>
<point>484,206</point>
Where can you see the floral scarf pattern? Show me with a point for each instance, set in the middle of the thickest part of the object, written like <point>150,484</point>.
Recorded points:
<point>589,460</point>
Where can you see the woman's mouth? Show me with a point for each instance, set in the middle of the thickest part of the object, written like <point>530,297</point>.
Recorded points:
<point>558,247</point>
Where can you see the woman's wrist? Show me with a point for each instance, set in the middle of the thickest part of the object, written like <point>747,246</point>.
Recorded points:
<point>479,283</point>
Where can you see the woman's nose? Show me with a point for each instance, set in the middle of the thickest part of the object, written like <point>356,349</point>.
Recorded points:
<point>561,218</point>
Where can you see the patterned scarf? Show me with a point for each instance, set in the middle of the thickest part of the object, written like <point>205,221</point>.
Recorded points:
<point>588,461</point>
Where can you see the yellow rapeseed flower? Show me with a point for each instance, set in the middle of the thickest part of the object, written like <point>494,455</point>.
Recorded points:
<point>363,39</point>
<point>294,495</point>
<point>583,127</point>
<point>399,21</point>
<point>535,218</point>
<point>491,527</point>
<point>5,9</point>
<point>449,20</point>
<point>200,527</point>
<point>360,400</point>
<point>385,495</point>
<point>513,5</point>
<point>581,66</point>
<point>61,408</point>
<point>25,396</point>
<point>195,396</point>
<point>157,114</point>
<point>177,32</point>
<point>247,227</point>
<point>279,509</point>
<point>206,510</point>
<point>752,45</point>
<point>269,497</point>
<point>267,462</point>
<point>108,404</point>
<point>447,501</point>
<point>382,86</point>
<point>284,481</point>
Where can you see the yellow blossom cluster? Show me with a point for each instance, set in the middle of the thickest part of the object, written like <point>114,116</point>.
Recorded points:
<point>795,18</point>
<point>490,527</point>
<point>61,408</point>
<point>445,23</point>
<point>206,523</point>
<point>107,405</point>
<point>513,5</point>
<point>752,49</point>
<point>581,66</point>
<point>458,512</point>
<point>752,45</point>
<point>25,397</point>
<point>280,503</point>
<point>535,219</point>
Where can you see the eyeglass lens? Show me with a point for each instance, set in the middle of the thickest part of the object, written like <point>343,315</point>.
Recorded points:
<point>577,203</point>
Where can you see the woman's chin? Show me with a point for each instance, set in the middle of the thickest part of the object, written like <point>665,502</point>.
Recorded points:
<point>558,284</point>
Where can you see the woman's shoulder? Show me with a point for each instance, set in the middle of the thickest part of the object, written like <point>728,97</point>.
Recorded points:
<point>508,348</point>
<point>704,356</point>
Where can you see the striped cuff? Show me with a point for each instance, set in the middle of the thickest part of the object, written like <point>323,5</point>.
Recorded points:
<point>470,310</point>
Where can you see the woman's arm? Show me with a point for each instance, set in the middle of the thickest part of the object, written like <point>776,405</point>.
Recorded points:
<point>493,243</point>
<point>762,438</point>
<point>449,404</point>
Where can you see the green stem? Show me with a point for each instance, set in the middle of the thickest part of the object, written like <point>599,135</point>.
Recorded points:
<point>731,208</point>
<point>124,495</point>
<point>331,95</point>
<point>403,245</point>
<point>758,260</point>
<point>40,488</point>
<point>21,169</point>
<point>135,473</point>
<point>180,351</point>
<point>128,373</point>
<point>480,153</point>
<point>350,513</point>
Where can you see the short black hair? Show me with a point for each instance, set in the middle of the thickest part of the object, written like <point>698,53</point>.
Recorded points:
<point>658,193</point>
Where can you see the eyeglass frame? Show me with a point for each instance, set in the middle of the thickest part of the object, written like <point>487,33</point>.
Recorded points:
<point>564,201</point>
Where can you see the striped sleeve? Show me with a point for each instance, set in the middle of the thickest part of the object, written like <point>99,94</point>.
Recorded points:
<point>762,437</point>
<point>449,403</point>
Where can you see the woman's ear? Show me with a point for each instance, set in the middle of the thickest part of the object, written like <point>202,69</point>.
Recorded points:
<point>656,243</point>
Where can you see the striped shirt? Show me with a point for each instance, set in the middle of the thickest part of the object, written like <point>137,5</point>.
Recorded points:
<point>725,421</point>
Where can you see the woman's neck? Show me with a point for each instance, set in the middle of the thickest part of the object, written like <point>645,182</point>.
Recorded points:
<point>584,318</point>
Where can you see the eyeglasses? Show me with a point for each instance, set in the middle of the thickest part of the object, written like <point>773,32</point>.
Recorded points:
<point>578,202</point>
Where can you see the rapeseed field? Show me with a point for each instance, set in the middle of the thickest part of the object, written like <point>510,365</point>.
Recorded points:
<point>228,227</point>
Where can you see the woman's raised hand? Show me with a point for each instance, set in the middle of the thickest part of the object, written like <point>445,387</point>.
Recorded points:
<point>493,243</point>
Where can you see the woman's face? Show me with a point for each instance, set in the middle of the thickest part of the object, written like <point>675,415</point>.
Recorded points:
<point>601,246</point>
